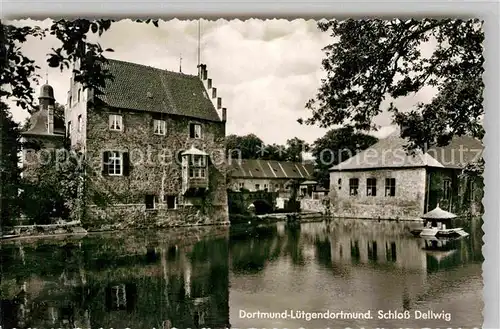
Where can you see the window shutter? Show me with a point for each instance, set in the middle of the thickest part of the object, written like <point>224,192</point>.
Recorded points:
<point>191,130</point>
<point>105,163</point>
<point>126,164</point>
<point>131,293</point>
<point>108,298</point>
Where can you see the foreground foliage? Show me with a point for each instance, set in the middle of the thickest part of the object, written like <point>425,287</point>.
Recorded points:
<point>371,63</point>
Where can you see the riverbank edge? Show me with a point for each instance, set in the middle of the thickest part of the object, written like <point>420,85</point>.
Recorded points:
<point>76,229</point>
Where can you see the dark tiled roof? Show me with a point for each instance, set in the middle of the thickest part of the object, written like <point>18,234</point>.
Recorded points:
<point>144,88</point>
<point>270,169</point>
<point>390,153</point>
<point>461,151</point>
<point>38,124</point>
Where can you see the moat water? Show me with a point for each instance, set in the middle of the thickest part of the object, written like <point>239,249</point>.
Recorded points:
<point>220,277</point>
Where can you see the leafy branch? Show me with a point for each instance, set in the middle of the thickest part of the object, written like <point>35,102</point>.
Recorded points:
<point>370,61</point>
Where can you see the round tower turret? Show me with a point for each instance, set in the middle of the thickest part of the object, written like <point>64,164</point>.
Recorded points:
<point>46,97</point>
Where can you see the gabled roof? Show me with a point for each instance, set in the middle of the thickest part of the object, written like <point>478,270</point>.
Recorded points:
<point>387,153</point>
<point>390,153</point>
<point>462,150</point>
<point>249,168</point>
<point>144,88</point>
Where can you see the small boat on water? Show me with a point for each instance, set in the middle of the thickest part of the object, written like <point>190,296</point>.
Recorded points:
<point>434,225</point>
<point>10,236</point>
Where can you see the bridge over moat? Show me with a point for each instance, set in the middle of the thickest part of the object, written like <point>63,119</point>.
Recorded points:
<point>239,202</point>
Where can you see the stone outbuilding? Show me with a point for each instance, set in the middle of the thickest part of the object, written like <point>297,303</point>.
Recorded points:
<point>385,181</point>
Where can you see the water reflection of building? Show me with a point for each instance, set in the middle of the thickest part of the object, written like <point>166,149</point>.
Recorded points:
<point>160,287</point>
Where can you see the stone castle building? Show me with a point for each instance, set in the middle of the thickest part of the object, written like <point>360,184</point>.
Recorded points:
<point>385,182</point>
<point>155,142</point>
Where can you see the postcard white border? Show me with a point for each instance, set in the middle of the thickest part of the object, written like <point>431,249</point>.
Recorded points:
<point>486,10</point>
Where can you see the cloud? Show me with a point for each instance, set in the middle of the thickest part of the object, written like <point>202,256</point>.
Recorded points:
<point>264,70</point>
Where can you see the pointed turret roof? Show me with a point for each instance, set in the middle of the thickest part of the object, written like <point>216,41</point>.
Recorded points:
<point>438,213</point>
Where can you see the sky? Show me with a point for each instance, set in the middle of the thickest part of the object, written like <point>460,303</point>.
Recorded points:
<point>264,70</point>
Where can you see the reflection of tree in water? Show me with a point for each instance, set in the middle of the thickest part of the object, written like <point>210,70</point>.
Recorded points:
<point>93,286</point>
<point>250,254</point>
<point>324,253</point>
<point>294,247</point>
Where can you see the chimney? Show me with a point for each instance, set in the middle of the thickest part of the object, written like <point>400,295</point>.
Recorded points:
<point>202,71</point>
<point>50,119</point>
<point>224,114</point>
<point>214,92</point>
<point>219,103</point>
<point>209,84</point>
<point>205,72</point>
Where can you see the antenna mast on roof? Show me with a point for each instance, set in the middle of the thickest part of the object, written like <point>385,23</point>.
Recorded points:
<point>180,63</point>
<point>199,37</point>
<point>47,75</point>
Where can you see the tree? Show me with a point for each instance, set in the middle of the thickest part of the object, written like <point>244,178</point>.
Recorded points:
<point>276,152</point>
<point>19,72</point>
<point>371,61</point>
<point>250,146</point>
<point>335,147</point>
<point>295,149</point>
<point>10,172</point>
<point>60,188</point>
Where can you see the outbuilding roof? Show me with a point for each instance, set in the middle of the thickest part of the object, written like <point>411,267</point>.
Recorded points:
<point>250,168</point>
<point>390,153</point>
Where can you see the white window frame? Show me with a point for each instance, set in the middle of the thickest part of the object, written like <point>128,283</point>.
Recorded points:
<point>120,295</point>
<point>165,200</point>
<point>197,130</point>
<point>115,120</point>
<point>197,173</point>
<point>371,188</point>
<point>470,186</point>
<point>198,161</point>
<point>388,187</point>
<point>154,203</point>
<point>80,123</point>
<point>447,188</point>
<point>353,188</point>
<point>115,165</point>
<point>160,127</point>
